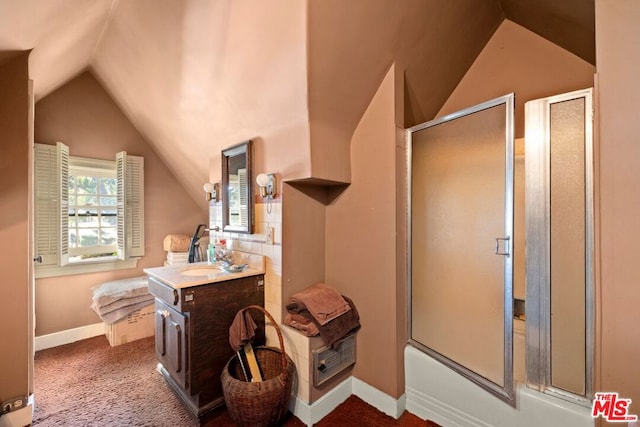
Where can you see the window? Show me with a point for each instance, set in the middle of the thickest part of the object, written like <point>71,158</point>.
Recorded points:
<point>93,218</point>
<point>88,212</point>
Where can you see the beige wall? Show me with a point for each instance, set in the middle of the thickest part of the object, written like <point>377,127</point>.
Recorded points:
<point>618,94</point>
<point>15,259</point>
<point>517,60</point>
<point>361,243</point>
<point>83,116</point>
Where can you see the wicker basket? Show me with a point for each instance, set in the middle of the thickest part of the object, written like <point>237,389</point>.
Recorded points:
<point>262,403</point>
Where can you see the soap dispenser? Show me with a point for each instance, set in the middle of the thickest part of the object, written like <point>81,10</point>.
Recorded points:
<point>211,253</point>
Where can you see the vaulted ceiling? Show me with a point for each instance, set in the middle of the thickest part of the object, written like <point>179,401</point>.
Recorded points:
<point>197,76</point>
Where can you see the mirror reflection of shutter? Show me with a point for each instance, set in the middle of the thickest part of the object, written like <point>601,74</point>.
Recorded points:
<point>121,161</point>
<point>63,188</point>
<point>135,206</point>
<point>46,204</point>
<point>244,197</point>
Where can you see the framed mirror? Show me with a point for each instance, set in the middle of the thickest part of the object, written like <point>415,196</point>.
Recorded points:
<point>237,189</point>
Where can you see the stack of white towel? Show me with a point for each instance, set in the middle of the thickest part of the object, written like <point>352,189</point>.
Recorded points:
<point>177,258</point>
<point>115,300</point>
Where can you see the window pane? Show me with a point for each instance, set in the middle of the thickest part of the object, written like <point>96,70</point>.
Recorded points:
<point>88,218</point>
<point>73,238</point>
<point>72,184</point>
<point>108,186</point>
<point>107,201</point>
<point>87,184</point>
<point>87,200</point>
<point>108,221</point>
<point>109,236</point>
<point>88,237</point>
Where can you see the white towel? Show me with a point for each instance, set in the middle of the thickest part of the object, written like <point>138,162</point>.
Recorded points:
<point>122,302</point>
<point>111,292</point>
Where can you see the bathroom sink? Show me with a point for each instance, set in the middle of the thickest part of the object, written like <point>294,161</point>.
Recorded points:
<point>201,271</point>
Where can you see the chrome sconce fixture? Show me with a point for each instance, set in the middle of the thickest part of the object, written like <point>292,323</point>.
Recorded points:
<point>211,191</point>
<point>267,184</point>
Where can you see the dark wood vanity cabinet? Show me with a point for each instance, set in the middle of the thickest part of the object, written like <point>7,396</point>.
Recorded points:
<point>192,335</point>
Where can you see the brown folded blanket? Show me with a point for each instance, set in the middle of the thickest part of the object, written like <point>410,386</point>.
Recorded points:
<point>176,243</point>
<point>242,330</point>
<point>302,324</point>
<point>339,327</point>
<point>323,301</point>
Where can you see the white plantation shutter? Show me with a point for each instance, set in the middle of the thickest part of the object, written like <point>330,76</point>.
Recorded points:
<point>135,206</point>
<point>121,197</point>
<point>244,201</point>
<point>51,201</point>
<point>46,204</point>
<point>130,205</point>
<point>63,193</point>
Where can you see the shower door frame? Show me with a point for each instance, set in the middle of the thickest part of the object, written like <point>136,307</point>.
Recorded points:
<point>505,392</point>
<point>538,236</point>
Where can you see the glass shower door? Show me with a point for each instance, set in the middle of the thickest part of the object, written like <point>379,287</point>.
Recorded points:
<point>461,240</point>
<point>560,245</point>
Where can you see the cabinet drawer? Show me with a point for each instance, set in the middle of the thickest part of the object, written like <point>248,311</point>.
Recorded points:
<point>165,293</point>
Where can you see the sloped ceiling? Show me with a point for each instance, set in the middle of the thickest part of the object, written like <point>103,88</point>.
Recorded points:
<point>197,76</point>
<point>63,34</point>
<point>568,23</point>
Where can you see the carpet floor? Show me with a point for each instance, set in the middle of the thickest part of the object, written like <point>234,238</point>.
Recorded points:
<point>89,383</point>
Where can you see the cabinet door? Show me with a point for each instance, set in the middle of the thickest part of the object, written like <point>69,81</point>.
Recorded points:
<point>171,341</point>
<point>213,310</point>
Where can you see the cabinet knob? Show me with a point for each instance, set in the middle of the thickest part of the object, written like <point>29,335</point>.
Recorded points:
<point>176,297</point>
<point>164,314</point>
<point>38,259</point>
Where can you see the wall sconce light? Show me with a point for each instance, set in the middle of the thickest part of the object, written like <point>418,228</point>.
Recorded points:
<point>267,184</point>
<point>211,191</point>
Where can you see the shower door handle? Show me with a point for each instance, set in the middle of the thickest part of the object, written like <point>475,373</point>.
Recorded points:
<point>505,248</point>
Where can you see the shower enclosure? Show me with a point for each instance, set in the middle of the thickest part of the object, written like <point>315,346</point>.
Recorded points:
<point>465,252</point>
<point>461,240</point>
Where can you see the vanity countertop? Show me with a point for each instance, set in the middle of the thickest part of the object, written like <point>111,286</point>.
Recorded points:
<point>174,275</point>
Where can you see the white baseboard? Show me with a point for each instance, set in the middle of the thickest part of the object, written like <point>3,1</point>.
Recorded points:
<point>310,414</point>
<point>379,399</point>
<point>66,337</point>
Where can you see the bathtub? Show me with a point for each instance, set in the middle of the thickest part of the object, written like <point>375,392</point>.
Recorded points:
<point>437,393</point>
